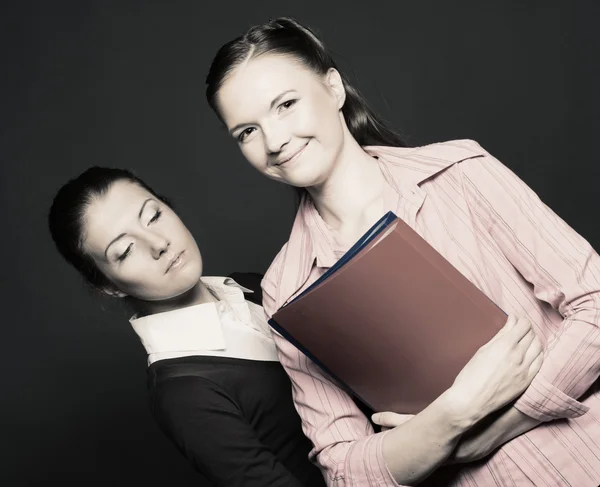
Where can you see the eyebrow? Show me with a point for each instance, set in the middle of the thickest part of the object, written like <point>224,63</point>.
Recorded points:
<point>143,206</point>
<point>273,103</point>
<point>123,234</point>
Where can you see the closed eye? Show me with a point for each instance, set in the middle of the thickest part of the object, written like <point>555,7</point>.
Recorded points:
<point>155,217</point>
<point>125,254</point>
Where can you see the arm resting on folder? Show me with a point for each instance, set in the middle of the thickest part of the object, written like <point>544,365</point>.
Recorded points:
<point>347,450</point>
<point>345,446</point>
<point>481,440</point>
<point>497,373</point>
<point>564,271</point>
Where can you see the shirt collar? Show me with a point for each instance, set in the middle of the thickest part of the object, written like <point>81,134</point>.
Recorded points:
<point>192,328</point>
<point>225,287</point>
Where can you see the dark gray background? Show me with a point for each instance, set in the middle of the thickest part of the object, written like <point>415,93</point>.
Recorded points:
<point>122,84</point>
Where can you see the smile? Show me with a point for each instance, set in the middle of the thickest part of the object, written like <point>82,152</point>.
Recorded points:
<point>295,155</point>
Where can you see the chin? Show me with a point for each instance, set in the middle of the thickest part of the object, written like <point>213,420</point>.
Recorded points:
<point>312,174</point>
<point>178,293</point>
<point>305,181</point>
<point>187,280</point>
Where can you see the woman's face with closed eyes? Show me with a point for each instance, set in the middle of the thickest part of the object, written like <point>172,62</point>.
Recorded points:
<point>140,244</point>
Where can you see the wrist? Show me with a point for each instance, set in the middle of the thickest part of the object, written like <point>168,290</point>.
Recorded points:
<point>458,410</point>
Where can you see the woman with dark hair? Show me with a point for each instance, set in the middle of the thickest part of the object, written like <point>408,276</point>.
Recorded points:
<point>215,385</point>
<point>521,412</point>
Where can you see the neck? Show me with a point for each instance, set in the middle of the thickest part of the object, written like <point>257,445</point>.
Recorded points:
<point>199,294</point>
<point>353,192</point>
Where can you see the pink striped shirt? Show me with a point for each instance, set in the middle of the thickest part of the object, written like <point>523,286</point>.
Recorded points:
<point>496,231</point>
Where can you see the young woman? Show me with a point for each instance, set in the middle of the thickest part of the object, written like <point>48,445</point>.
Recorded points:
<point>216,388</point>
<point>298,121</point>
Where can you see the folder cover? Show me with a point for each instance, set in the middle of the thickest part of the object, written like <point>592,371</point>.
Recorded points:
<point>393,322</point>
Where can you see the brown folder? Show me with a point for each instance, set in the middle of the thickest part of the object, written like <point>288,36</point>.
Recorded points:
<point>394,322</point>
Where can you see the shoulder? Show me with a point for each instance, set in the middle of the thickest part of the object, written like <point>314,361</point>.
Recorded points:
<point>458,147</point>
<point>273,273</point>
<point>417,164</point>
<point>450,150</point>
<point>272,279</point>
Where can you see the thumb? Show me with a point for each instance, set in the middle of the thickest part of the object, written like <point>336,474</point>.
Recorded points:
<point>389,419</point>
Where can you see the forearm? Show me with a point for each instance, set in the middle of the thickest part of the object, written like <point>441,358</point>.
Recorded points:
<point>563,270</point>
<point>571,366</point>
<point>488,435</point>
<point>416,448</point>
<point>507,426</point>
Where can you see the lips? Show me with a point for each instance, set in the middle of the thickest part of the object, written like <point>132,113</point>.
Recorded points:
<point>175,261</point>
<point>291,156</point>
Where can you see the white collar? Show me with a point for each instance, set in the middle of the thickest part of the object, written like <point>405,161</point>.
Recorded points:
<point>200,330</point>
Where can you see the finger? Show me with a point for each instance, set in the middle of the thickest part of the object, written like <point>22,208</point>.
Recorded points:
<point>387,419</point>
<point>382,419</point>
<point>508,326</point>
<point>534,349</point>
<point>536,364</point>
<point>523,325</point>
<point>390,419</point>
<point>521,328</point>
<point>510,323</point>
<point>525,342</point>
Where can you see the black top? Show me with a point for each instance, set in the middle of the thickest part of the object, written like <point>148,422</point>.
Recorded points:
<point>234,419</point>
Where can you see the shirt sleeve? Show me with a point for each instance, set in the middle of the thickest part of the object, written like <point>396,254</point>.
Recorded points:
<point>564,271</point>
<point>210,430</point>
<point>345,447</point>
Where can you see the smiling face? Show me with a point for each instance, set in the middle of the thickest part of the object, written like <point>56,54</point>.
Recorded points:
<point>140,244</point>
<point>286,118</point>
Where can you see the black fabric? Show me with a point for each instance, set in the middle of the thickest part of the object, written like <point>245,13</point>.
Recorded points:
<point>250,280</point>
<point>234,419</point>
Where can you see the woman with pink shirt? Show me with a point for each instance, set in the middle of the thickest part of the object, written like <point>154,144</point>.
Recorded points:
<point>514,415</point>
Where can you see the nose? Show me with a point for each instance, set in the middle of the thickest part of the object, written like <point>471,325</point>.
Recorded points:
<point>276,138</point>
<point>158,244</point>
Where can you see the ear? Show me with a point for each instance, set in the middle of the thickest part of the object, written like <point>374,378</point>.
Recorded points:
<point>113,292</point>
<point>334,82</point>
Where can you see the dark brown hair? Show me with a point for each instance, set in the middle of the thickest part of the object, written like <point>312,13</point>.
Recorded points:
<point>67,214</point>
<point>287,37</point>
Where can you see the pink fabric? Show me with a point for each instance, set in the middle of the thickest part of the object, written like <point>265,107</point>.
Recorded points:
<point>497,232</point>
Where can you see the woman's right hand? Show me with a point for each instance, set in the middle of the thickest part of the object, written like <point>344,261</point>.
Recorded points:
<point>500,370</point>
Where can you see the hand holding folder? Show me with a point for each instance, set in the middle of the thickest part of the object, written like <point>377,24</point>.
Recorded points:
<point>392,321</point>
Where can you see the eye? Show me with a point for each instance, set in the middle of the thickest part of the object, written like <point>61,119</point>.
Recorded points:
<point>155,217</point>
<point>287,104</point>
<point>125,254</point>
<point>245,133</point>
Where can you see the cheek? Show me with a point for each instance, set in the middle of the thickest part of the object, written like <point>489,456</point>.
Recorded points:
<point>136,272</point>
<point>133,276</point>
<point>319,119</point>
